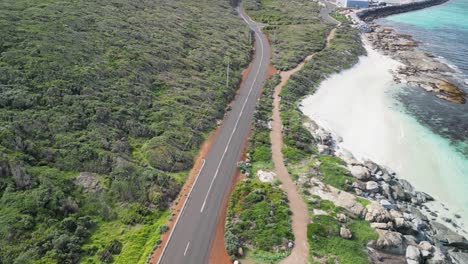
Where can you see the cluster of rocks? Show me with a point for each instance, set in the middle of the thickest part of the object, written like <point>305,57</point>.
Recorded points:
<point>405,233</point>
<point>89,181</point>
<point>418,69</point>
<point>266,176</point>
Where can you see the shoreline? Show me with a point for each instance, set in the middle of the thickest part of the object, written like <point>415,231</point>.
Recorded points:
<point>419,69</point>
<point>380,184</point>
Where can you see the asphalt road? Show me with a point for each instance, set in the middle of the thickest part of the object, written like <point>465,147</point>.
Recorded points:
<point>325,12</point>
<point>191,237</point>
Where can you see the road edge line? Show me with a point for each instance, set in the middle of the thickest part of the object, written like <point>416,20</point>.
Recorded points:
<point>181,212</point>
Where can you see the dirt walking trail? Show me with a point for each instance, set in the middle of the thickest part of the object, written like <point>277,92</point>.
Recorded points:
<point>300,214</point>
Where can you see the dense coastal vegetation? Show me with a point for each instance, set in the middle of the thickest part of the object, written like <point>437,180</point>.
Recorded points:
<point>258,218</point>
<point>293,27</point>
<point>290,47</point>
<point>324,232</point>
<point>326,243</point>
<point>342,53</point>
<point>103,105</point>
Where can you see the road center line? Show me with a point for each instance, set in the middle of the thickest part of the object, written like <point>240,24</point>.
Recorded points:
<point>186,248</point>
<point>240,114</point>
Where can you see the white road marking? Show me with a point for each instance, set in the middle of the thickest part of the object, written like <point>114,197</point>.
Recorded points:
<point>238,118</point>
<point>188,197</point>
<point>180,215</point>
<point>186,248</point>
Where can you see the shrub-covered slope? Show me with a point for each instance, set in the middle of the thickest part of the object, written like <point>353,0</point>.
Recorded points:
<point>122,90</point>
<point>293,26</point>
<point>258,218</point>
<point>342,53</point>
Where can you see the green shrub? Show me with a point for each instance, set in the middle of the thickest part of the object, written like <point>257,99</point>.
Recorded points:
<point>293,155</point>
<point>325,241</point>
<point>163,229</point>
<point>363,201</point>
<point>292,26</point>
<point>115,247</point>
<point>259,216</point>
<point>114,89</point>
<point>334,173</point>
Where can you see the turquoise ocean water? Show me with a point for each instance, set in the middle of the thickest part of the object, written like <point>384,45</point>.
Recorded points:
<point>443,31</point>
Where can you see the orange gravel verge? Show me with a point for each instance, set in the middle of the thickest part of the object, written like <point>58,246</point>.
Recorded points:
<point>179,202</point>
<point>218,253</point>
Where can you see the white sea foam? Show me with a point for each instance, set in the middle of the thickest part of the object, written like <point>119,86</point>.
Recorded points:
<point>357,105</point>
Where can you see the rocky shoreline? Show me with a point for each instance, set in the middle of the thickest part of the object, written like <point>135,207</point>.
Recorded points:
<point>408,229</point>
<point>419,68</point>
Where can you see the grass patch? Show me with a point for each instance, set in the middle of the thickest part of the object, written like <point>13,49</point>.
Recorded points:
<point>138,240</point>
<point>326,205</point>
<point>334,173</point>
<point>293,43</point>
<point>338,16</point>
<point>325,241</point>
<point>363,201</point>
<point>259,147</point>
<point>259,216</point>
<point>263,257</point>
<point>293,155</point>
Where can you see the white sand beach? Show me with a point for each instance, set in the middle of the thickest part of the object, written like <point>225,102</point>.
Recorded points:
<point>357,105</point>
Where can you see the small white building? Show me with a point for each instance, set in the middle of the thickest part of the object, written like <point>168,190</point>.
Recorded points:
<point>353,3</point>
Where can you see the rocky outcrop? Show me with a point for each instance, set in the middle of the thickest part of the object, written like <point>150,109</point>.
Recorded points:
<point>449,237</point>
<point>395,212</point>
<point>377,213</point>
<point>413,255</point>
<point>359,172</point>
<point>418,69</point>
<point>345,233</point>
<point>388,241</point>
<point>266,176</point>
<point>89,181</point>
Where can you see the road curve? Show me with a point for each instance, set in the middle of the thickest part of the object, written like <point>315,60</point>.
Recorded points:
<point>194,230</point>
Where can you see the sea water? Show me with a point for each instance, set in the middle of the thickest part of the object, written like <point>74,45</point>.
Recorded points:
<point>443,31</point>
<point>377,120</point>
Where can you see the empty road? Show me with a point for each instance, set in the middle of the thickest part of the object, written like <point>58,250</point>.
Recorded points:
<point>191,237</point>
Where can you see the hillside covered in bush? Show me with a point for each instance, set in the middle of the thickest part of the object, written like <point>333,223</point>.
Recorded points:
<point>293,27</point>
<point>103,105</point>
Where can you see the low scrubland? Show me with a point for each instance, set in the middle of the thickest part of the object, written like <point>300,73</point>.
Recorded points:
<point>103,105</point>
<point>293,27</point>
<point>342,53</point>
<point>258,217</point>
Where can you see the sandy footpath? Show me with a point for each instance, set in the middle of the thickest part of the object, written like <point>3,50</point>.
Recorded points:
<point>300,216</point>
